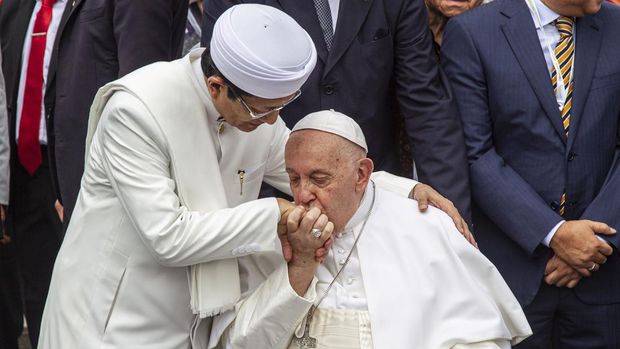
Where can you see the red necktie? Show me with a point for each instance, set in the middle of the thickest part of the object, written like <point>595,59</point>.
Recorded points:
<point>28,148</point>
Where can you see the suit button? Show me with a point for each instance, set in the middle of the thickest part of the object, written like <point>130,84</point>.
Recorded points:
<point>572,203</point>
<point>571,156</point>
<point>554,205</point>
<point>328,89</point>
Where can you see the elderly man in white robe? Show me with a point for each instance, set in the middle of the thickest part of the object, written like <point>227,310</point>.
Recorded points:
<point>176,153</point>
<point>394,278</point>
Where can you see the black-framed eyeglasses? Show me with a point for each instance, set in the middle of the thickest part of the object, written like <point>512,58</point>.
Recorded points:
<point>254,115</point>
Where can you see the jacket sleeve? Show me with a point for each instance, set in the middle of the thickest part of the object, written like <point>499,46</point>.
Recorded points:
<point>132,153</point>
<point>147,31</point>
<point>606,205</point>
<point>431,117</point>
<point>269,316</point>
<point>497,189</point>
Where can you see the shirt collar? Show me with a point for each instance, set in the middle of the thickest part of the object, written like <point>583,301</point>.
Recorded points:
<point>199,81</point>
<point>362,210</point>
<point>547,15</point>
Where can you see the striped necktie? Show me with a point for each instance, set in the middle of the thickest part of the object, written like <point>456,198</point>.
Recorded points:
<point>564,53</point>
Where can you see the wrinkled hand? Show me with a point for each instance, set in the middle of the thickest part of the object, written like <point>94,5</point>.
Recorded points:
<point>426,195</point>
<point>286,207</point>
<point>60,210</point>
<point>559,273</point>
<point>5,239</point>
<point>576,243</point>
<point>306,248</point>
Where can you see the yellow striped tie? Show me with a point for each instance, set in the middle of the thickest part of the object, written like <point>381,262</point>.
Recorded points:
<point>564,52</point>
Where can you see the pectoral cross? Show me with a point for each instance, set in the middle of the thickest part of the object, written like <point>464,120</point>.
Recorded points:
<point>306,342</point>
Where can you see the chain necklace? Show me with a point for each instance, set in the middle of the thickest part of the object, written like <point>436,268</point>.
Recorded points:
<point>305,341</point>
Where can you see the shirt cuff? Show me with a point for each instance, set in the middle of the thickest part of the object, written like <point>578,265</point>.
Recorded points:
<point>547,240</point>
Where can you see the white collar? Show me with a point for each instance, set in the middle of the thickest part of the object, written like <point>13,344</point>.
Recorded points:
<point>547,15</point>
<point>362,210</point>
<point>194,57</point>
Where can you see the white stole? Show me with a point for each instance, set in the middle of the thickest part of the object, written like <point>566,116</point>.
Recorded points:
<point>214,286</point>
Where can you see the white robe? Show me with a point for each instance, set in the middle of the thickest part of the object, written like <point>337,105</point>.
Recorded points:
<point>120,278</point>
<point>426,287</point>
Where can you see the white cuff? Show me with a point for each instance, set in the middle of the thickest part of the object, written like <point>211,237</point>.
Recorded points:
<point>547,240</point>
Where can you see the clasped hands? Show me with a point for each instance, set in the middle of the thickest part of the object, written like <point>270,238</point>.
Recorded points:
<point>578,252</point>
<point>299,245</point>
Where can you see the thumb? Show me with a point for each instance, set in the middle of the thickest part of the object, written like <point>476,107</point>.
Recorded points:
<point>602,228</point>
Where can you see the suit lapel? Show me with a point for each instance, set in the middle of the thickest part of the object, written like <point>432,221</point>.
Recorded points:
<point>51,73</point>
<point>587,45</point>
<point>351,16</point>
<point>304,13</point>
<point>521,35</point>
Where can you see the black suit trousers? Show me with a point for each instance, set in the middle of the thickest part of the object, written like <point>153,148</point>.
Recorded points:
<point>36,231</point>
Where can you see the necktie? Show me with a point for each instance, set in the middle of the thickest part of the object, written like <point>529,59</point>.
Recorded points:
<point>325,19</point>
<point>28,149</point>
<point>564,53</point>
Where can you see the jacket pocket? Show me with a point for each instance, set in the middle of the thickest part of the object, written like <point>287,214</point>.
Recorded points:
<point>111,276</point>
<point>605,81</point>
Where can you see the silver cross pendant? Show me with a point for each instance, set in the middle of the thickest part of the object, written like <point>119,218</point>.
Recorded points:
<point>306,342</point>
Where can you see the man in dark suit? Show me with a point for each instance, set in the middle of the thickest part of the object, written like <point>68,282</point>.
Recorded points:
<point>99,41</point>
<point>27,35</point>
<point>376,58</point>
<point>544,154</point>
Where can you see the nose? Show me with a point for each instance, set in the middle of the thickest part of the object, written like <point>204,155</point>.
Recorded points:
<point>304,195</point>
<point>271,117</point>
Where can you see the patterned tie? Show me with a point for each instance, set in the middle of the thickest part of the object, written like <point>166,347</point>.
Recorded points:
<point>564,52</point>
<point>325,18</point>
<point>28,148</point>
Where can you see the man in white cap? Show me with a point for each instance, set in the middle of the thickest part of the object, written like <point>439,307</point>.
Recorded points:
<point>393,278</point>
<point>175,161</point>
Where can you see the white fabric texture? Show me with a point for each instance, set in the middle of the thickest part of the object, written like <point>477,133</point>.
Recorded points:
<point>262,50</point>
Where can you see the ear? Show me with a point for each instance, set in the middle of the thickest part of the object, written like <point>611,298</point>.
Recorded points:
<point>364,170</point>
<point>215,85</point>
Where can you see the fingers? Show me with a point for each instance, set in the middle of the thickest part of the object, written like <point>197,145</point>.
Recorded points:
<point>294,218</point>
<point>604,248</point>
<point>599,258</point>
<point>423,203</point>
<point>573,283</point>
<point>468,235</point>
<point>602,228</point>
<point>553,277</point>
<point>584,272</point>
<point>551,265</point>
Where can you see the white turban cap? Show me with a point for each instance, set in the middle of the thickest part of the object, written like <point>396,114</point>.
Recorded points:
<point>333,122</point>
<point>262,50</point>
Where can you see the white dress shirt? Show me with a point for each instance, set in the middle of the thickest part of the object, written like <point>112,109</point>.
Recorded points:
<point>57,10</point>
<point>348,291</point>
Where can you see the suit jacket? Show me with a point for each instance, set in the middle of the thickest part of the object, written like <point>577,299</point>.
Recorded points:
<point>99,41</point>
<point>379,47</point>
<point>14,18</point>
<point>520,160</point>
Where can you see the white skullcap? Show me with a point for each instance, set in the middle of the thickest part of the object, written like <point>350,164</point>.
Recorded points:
<point>333,122</point>
<point>262,50</point>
